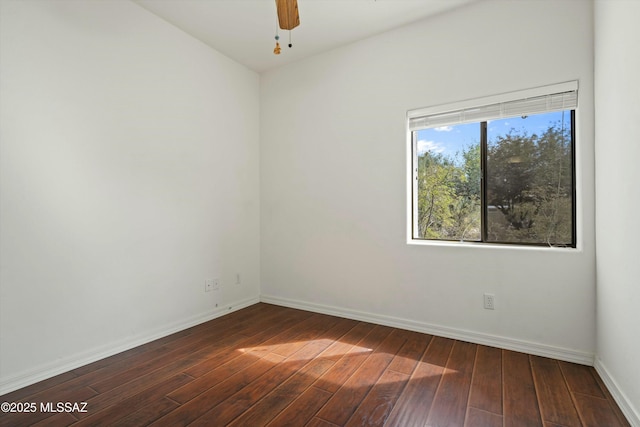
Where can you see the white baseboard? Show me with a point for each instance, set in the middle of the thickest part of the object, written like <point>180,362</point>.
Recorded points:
<point>632,414</point>
<point>49,370</point>
<point>537,349</point>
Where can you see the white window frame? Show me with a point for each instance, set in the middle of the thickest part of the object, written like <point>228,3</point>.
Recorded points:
<point>473,111</point>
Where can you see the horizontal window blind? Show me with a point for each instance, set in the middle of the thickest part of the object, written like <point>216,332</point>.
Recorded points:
<point>567,100</point>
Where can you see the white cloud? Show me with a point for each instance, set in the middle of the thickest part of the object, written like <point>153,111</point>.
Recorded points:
<point>443,129</point>
<point>434,147</point>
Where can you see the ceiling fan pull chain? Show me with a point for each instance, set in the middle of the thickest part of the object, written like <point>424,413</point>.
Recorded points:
<point>290,44</point>
<point>276,50</point>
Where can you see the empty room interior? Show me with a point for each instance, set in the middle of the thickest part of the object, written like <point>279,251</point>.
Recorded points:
<point>164,173</point>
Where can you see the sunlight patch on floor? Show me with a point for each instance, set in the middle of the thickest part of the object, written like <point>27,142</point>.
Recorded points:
<point>354,349</point>
<point>421,370</point>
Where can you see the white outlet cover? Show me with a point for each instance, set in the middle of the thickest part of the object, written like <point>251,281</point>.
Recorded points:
<point>489,301</point>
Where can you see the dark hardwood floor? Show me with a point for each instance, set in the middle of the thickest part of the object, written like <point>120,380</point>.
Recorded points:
<point>268,365</point>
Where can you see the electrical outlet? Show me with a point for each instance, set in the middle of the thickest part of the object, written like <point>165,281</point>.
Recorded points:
<point>208,285</point>
<point>216,284</point>
<point>489,301</point>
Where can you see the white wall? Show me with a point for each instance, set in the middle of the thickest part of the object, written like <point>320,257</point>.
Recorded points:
<point>333,183</point>
<point>617,91</point>
<point>129,175</point>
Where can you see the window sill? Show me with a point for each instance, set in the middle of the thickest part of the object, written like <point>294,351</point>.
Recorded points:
<point>491,246</point>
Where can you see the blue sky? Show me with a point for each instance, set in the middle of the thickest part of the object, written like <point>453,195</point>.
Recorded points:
<point>450,140</point>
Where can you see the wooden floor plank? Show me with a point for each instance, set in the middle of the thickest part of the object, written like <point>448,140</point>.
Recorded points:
<point>376,407</point>
<point>324,323</point>
<point>414,404</point>
<point>450,402</point>
<point>581,379</point>
<point>148,414</point>
<point>346,400</point>
<point>268,408</point>
<point>136,384</point>
<point>108,414</point>
<point>410,353</point>
<point>303,408</point>
<point>348,341</point>
<point>202,403</point>
<point>479,418</point>
<point>262,331</point>
<point>486,386</point>
<point>217,376</point>
<point>277,366</point>
<point>242,400</point>
<point>61,419</point>
<point>319,422</point>
<point>596,412</point>
<point>520,402</point>
<point>555,401</point>
<point>346,365</point>
<point>238,360</point>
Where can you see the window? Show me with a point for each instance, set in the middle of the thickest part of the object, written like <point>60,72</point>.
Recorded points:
<point>496,170</point>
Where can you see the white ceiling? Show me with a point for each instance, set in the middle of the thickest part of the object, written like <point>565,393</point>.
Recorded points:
<point>244,30</point>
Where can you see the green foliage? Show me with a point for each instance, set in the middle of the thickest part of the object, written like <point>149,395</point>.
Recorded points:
<point>529,190</point>
<point>449,196</point>
<point>529,181</point>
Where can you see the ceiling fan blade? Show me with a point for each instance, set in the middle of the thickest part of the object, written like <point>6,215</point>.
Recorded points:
<point>288,17</point>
